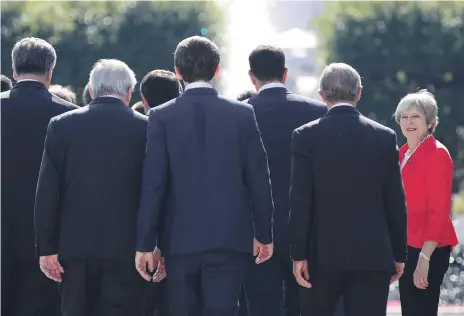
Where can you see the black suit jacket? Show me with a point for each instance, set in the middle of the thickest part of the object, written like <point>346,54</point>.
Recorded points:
<point>206,170</point>
<point>89,182</point>
<point>348,208</point>
<point>26,110</point>
<point>278,113</point>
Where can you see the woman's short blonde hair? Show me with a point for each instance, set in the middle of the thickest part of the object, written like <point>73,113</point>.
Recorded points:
<point>424,101</point>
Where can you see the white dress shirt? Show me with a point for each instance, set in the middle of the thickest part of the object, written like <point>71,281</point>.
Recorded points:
<point>198,84</point>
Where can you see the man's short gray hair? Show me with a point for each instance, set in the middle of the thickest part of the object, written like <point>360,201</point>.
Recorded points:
<point>33,55</point>
<point>340,82</point>
<point>425,102</point>
<point>111,77</point>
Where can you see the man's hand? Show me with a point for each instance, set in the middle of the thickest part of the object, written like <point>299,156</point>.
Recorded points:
<point>144,260</point>
<point>262,251</point>
<point>301,273</point>
<point>51,267</point>
<point>160,273</point>
<point>399,272</point>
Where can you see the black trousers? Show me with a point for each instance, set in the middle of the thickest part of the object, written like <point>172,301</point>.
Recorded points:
<point>416,302</point>
<point>101,287</point>
<point>271,288</point>
<point>156,299</point>
<point>205,284</point>
<point>26,291</point>
<point>365,293</point>
<point>242,302</point>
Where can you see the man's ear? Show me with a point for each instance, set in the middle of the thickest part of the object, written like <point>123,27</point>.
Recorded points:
<point>179,76</point>
<point>145,103</point>
<point>216,74</point>
<point>252,78</point>
<point>284,77</point>
<point>358,95</point>
<point>321,94</point>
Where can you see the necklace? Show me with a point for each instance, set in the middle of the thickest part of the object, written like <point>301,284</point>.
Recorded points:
<point>409,153</point>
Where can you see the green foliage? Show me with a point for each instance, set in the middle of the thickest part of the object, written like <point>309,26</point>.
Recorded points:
<point>141,33</point>
<point>399,47</point>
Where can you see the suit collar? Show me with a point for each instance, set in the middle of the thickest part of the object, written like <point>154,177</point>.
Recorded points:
<point>274,90</point>
<point>107,100</point>
<point>30,84</point>
<point>200,91</point>
<point>198,84</point>
<point>343,109</point>
<point>271,85</point>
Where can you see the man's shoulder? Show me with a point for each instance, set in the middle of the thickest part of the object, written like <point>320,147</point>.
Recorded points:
<point>246,106</point>
<point>65,105</point>
<point>69,116</point>
<point>308,127</point>
<point>140,117</point>
<point>299,102</point>
<point>376,126</point>
<point>226,103</point>
<point>307,101</point>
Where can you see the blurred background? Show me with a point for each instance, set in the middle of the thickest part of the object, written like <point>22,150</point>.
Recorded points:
<point>398,47</point>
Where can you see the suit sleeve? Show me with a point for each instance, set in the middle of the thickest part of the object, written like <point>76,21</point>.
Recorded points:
<point>47,199</point>
<point>301,200</point>
<point>439,178</point>
<point>258,181</point>
<point>395,204</point>
<point>154,177</point>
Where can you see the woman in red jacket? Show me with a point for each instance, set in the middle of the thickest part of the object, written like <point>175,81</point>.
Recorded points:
<point>427,171</point>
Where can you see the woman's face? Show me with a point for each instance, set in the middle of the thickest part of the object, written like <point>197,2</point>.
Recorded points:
<point>413,124</point>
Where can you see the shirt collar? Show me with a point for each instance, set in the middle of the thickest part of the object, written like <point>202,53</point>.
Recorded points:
<point>271,85</point>
<point>110,96</point>
<point>341,104</point>
<point>198,84</point>
<point>23,80</point>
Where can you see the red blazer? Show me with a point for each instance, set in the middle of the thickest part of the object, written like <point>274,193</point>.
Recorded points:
<point>427,180</point>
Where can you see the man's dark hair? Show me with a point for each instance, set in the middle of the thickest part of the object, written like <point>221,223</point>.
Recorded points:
<point>86,97</point>
<point>64,93</point>
<point>33,55</point>
<point>197,58</point>
<point>246,95</point>
<point>267,63</point>
<point>159,86</point>
<point>6,83</point>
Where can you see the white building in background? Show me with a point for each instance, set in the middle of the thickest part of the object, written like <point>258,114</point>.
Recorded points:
<point>300,48</point>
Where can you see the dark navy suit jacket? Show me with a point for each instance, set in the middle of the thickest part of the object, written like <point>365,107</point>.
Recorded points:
<point>205,183</point>
<point>279,112</point>
<point>26,111</point>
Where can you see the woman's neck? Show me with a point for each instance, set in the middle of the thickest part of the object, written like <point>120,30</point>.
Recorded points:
<point>413,143</point>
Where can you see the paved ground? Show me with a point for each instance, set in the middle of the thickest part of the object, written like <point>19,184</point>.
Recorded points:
<point>394,309</point>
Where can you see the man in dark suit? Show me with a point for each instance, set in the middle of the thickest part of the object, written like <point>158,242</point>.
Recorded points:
<point>206,169</point>
<point>242,301</point>
<point>156,88</point>
<point>26,110</point>
<point>278,113</point>
<point>87,198</point>
<point>348,214</point>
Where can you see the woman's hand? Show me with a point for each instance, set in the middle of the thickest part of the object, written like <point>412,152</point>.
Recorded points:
<point>421,274</point>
